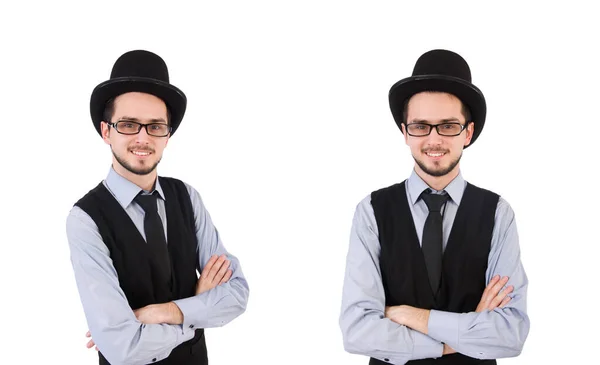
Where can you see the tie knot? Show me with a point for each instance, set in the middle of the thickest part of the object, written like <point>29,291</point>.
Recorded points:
<point>434,201</point>
<point>147,202</point>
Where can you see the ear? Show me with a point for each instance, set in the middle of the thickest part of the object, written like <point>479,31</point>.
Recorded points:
<point>470,131</point>
<point>105,130</point>
<point>403,129</point>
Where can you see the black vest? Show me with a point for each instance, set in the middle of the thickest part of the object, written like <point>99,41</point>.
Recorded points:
<point>464,263</point>
<point>132,260</point>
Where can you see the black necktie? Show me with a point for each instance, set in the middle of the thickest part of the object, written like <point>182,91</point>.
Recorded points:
<point>155,238</point>
<point>432,237</point>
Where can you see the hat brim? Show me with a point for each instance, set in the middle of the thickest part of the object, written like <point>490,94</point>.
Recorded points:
<point>466,92</point>
<point>174,98</point>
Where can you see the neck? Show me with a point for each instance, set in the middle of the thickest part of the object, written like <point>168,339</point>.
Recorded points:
<point>437,182</point>
<point>145,182</point>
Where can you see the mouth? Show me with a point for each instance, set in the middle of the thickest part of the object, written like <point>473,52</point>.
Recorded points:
<point>139,153</point>
<point>435,155</point>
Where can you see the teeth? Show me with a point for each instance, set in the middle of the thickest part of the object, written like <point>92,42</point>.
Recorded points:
<point>435,154</point>
<point>140,153</point>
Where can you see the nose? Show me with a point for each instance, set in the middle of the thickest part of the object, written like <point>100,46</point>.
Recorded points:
<point>434,137</point>
<point>142,136</point>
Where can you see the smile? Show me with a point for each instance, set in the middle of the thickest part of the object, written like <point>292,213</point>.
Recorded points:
<point>140,153</point>
<point>435,154</point>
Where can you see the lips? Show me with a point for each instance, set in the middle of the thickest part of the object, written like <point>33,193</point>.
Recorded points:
<point>141,153</point>
<point>435,154</point>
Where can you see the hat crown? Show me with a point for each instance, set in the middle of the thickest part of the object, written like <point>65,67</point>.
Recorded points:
<point>442,62</point>
<point>140,63</point>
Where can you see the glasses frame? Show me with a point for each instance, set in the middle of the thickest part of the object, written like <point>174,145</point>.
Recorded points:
<point>140,126</point>
<point>437,129</point>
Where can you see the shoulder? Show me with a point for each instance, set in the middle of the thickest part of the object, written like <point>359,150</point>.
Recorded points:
<point>82,232</point>
<point>194,195</point>
<point>503,208</point>
<point>387,192</point>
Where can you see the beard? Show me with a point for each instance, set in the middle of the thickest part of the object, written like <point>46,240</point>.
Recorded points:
<point>138,171</point>
<point>441,171</point>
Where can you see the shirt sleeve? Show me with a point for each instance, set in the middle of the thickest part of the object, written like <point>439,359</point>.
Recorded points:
<point>225,302</point>
<point>501,332</point>
<point>119,336</point>
<point>365,329</point>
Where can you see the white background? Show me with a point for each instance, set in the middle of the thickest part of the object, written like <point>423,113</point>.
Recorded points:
<point>287,129</point>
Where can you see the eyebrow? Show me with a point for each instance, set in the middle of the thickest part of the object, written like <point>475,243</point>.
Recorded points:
<point>447,120</point>
<point>132,119</point>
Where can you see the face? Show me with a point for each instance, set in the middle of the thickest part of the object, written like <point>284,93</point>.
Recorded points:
<point>434,154</point>
<point>138,153</point>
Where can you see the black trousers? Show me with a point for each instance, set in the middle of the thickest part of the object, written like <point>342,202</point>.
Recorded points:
<point>452,359</point>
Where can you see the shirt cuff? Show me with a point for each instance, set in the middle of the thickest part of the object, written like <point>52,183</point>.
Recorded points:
<point>444,327</point>
<point>184,334</point>
<point>188,307</point>
<point>425,347</point>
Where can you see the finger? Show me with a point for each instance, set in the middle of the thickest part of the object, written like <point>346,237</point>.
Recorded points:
<point>222,271</point>
<point>90,344</point>
<point>215,268</point>
<point>209,264</point>
<point>486,297</point>
<point>504,302</point>
<point>96,348</point>
<point>226,277</point>
<point>495,290</point>
<point>491,284</point>
<point>88,334</point>
<point>500,297</point>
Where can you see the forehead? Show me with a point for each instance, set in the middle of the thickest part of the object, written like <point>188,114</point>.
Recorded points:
<point>432,106</point>
<point>140,105</point>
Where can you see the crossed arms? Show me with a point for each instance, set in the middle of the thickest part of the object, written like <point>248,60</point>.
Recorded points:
<point>139,335</point>
<point>398,334</point>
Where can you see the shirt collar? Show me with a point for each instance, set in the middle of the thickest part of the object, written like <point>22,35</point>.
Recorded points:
<point>416,185</point>
<point>124,190</point>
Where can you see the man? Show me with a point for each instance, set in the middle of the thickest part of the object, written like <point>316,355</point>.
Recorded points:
<point>137,239</point>
<point>433,272</point>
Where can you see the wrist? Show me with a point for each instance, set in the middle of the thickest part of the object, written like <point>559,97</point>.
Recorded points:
<point>173,313</point>
<point>418,319</point>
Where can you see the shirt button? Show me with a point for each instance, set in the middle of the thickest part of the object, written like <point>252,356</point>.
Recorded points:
<point>154,360</point>
<point>191,326</point>
<point>386,360</point>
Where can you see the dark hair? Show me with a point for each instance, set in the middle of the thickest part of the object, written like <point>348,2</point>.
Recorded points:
<point>466,112</point>
<point>109,111</point>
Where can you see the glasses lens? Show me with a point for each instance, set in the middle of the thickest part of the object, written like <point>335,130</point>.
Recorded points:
<point>418,129</point>
<point>449,129</point>
<point>128,127</point>
<point>158,129</point>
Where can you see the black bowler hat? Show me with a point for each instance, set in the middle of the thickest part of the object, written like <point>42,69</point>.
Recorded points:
<point>140,71</point>
<point>445,71</point>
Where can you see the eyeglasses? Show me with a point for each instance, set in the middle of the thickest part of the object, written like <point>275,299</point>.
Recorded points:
<point>130,127</point>
<point>443,129</point>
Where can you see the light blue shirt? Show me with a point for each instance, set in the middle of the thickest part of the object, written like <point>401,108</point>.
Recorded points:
<point>486,335</point>
<point>121,338</point>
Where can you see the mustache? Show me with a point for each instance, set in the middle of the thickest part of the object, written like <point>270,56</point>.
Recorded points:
<point>434,150</point>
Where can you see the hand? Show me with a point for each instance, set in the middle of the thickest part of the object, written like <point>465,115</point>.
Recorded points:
<point>492,296</point>
<point>90,343</point>
<point>168,313</point>
<point>412,317</point>
<point>448,350</point>
<point>216,272</point>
